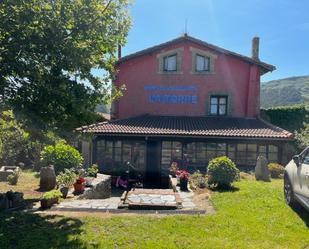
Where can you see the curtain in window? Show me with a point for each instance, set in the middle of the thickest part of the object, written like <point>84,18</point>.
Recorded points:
<point>170,63</point>
<point>202,63</point>
<point>213,106</point>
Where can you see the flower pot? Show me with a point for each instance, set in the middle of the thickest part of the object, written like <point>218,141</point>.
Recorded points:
<point>47,203</point>
<point>64,191</point>
<point>183,184</point>
<point>78,187</point>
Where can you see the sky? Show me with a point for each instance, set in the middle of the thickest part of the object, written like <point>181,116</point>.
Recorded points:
<point>282,25</point>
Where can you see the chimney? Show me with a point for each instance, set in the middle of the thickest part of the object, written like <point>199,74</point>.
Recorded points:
<point>119,51</point>
<point>255,48</point>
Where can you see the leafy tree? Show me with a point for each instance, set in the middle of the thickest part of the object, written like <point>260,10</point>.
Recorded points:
<point>14,140</point>
<point>48,50</point>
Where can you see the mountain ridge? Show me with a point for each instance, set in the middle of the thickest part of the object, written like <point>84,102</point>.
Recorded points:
<point>286,91</point>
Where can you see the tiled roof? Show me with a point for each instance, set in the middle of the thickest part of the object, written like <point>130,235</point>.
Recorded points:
<point>264,66</point>
<point>189,126</point>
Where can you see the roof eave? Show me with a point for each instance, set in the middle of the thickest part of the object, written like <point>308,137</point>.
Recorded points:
<point>190,136</point>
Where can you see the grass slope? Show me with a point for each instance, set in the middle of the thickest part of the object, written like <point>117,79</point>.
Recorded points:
<point>289,91</point>
<point>255,216</point>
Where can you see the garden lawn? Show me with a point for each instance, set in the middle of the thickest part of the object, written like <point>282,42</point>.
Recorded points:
<point>28,183</point>
<point>255,216</point>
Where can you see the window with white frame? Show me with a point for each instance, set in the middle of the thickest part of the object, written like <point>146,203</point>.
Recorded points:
<point>170,63</point>
<point>218,105</point>
<point>201,63</point>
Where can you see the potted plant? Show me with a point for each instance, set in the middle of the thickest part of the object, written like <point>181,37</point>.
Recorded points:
<point>79,185</point>
<point>93,170</point>
<point>173,169</point>
<point>13,178</point>
<point>65,180</point>
<point>50,198</point>
<point>183,179</point>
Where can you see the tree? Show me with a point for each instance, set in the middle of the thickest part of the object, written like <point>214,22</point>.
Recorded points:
<point>14,140</point>
<point>48,50</point>
<point>302,138</point>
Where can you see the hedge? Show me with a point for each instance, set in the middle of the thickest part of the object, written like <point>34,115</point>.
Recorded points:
<point>290,118</point>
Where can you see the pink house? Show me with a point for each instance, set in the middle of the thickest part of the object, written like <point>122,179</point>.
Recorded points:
<point>186,101</point>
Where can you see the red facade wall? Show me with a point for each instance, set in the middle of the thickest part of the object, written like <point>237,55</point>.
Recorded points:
<point>232,76</point>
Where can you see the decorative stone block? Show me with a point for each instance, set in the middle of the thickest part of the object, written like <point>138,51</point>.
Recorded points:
<point>5,171</point>
<point>47,178</point>
<point>261,170</point>
<point>101,188</point>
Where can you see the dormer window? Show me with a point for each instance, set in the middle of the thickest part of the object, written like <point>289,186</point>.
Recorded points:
<point>170,63</point>
<point>202,63</point>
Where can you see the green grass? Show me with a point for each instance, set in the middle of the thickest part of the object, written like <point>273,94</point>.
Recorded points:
<point>28,183</point>
<point>255,216</point>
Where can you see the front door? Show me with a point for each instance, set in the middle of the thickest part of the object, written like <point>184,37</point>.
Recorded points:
<point>153,172</point>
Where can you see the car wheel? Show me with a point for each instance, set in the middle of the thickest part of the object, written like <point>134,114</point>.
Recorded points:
<point>288,192</point>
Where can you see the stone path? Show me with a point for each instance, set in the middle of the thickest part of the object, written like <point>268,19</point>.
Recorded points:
<point>186,199</point>
<point>186,196</point>
<point>153,198</point>
<point>105,204</point>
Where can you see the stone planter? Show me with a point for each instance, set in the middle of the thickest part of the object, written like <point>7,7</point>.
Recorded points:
<point>183,184</point>
<point>47,203</point>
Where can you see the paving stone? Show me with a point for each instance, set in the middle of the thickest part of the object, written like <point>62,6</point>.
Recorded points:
<point>147,201</point>
<point>112,206</point>
<point>188,204</point>
<point>168,198</point>
<point>154,196</point>
<point>157,201</point>
<point>134,199</point>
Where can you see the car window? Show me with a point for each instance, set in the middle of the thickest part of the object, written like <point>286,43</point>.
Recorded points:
<point>306,157</point>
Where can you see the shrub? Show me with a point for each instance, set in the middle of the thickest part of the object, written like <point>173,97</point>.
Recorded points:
<point>66,178</point>
<point>52,194</point>
<point>62,156</point>
<point>13,178</point>
<point>222,172</point>
<point>198,179</point>
<point>276,170</point>
<point>93,170</point>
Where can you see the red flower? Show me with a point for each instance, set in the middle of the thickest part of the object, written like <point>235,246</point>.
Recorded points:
<point>80,180</point>
<point>182,174</point>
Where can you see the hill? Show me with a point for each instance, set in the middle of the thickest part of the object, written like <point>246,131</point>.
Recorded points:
<point>288,91</point>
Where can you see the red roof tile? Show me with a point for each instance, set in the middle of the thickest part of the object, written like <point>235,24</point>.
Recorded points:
<point>189,126</point>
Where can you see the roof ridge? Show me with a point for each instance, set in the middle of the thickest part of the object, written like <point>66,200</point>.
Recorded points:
<point>151,49</point>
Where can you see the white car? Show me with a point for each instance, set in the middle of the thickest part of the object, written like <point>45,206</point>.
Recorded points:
<point>296,180</point>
